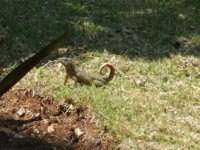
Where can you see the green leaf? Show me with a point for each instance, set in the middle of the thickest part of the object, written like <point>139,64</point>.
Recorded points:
<point>14,76</point>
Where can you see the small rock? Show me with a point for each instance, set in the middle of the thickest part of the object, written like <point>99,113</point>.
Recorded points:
<point>194,63</point>
<point>44,133</point>
<point>36,131</point>
<point>18,136</point>
<point>140,81</point>
<point>51,128</point>
<point>181,16</point>
<point>47,121</point>
<point>78,132</point>
<point>36,116</point>
<point>21,112</point>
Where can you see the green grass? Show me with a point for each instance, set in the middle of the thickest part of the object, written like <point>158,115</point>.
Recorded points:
<point>153,101</point>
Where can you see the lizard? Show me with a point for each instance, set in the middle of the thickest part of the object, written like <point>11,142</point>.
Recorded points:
<point>88,79</point>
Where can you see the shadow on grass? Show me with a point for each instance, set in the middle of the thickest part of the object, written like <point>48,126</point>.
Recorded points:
<point>137,29</point>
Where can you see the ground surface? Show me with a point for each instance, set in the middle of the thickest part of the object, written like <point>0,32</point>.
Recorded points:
<point>153,102</point>
<point>32,121</point>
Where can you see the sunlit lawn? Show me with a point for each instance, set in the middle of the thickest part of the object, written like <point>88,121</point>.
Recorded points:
<point>153,101</point>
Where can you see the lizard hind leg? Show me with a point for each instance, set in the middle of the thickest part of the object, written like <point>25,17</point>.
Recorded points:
<point>75,79</point>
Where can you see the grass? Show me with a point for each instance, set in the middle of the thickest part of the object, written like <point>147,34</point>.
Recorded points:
<point>153,101</point>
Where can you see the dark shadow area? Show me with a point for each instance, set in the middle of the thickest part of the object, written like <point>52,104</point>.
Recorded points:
<point>141,29</point>
<point>11,138</point>
<point>145,29</point>
<point>8,122</point>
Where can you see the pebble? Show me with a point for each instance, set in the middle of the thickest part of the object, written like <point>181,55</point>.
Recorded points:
<point>21,111</point>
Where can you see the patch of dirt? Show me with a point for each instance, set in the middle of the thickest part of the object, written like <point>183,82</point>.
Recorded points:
<point>32,121</point>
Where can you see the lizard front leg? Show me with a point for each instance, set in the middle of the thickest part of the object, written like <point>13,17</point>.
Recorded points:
<point>75,79</point>
<point>66,78</point>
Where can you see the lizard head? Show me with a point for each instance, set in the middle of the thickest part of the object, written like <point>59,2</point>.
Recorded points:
<point>69,66</point>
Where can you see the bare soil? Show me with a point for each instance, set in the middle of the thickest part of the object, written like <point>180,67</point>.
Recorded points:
<point>32,121</point>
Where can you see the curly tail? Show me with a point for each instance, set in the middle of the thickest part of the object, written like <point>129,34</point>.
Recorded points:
<point>107,76</point>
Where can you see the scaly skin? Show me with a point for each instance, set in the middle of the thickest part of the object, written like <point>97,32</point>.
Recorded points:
<point>88,79</point>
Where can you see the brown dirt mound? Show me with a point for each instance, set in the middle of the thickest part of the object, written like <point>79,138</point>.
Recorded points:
<point>32,121</point>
